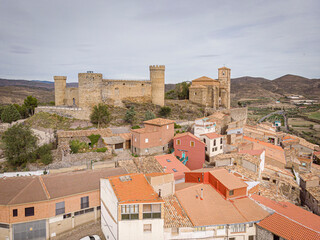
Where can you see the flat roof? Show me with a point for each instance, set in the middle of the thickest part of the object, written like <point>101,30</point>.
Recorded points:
<point>229,180</point>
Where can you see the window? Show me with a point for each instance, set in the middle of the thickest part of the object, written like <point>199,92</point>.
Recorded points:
<point>84,202</point>
<point>205,148</point>
<point>151,211</point>
<point>146,140</point>
<point>192,144</point>
<point>147,227</point>
<point>220,147</point>
<point>216,148</point>
<point>275,237</point>
<point>135,139</point>
<point>303,164</point>
<point>232,238</point>
<point>160,139</point>
<point>60,208</point>
<point>175,170</point>
<point>15,212</point>
<point>196,229</point>
<point>214,142</point>
<point>238,228</point>
<point>231,192</point>
<point>220,140</point>
<point>204,140</point>
<point>212,149</point>
<point>250,224</point>
<point>67,215</point>
<point>167,126</point>
<point>99,208</point>
<point>29,211</point>
<point>178,141</point>
<point>147,150</point>
<point>251,237</point>
<point>6,226</point>
<point>130,212</point>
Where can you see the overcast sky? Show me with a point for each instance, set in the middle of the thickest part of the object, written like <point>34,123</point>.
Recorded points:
<point>120,39</point>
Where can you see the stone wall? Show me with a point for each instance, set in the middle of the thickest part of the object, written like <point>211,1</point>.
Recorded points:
<point>239,114</point>
<point>71,97</point>
<point>78,113</point>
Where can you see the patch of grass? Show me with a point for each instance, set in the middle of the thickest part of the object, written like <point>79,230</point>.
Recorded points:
<point>314,115</point>
<point>47,120</point>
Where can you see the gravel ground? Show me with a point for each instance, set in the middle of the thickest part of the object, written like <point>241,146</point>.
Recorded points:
<point>91,228</point>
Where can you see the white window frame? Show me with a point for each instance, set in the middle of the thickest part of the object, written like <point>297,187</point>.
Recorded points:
<point>146,140</point>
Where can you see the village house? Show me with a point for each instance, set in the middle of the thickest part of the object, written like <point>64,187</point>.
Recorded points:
<point>42,207</point>
<point>310,191</point>
<point>154,138</point>
<point>217,204</point>
<point>214,144</point>
<point>171,164</point>
<point>203,126</point>
<point>263,132</point>
<point>130,208</point>
<point>275,155</point>
<point>190,150</point>
<point>255,164</point>
<point>287,221</point>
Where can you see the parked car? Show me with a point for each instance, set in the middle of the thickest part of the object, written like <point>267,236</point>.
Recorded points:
<point>92,237</point>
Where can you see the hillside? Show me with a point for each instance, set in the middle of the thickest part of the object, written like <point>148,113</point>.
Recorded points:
<point>14,91</point>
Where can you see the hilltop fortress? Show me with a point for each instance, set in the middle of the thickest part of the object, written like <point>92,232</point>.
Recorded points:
<point>93,89</point>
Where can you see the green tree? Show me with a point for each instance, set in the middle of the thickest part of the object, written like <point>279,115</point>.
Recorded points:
<point>10,114</point>
<point>31,103</point>
<point>183,90</point>
<point>149,115</point>
<point>23,110</point>
<point>19,144</point>
<point>130,115</point>
<point>165,111</point>
<point>100,115</point>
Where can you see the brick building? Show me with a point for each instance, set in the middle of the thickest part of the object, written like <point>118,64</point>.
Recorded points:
<point>155,137</point>
<point>41,207</point>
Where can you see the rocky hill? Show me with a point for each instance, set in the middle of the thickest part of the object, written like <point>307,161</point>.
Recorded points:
<point>14,91</point>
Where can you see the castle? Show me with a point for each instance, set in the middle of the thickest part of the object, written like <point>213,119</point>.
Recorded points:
<point>210,92</point>
<point>93,89</point>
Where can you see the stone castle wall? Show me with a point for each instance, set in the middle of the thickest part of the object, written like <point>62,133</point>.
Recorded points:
<point>78,113</point>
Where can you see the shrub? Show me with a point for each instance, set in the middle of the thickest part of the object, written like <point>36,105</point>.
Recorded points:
<point>149,115</point>
<point>165,111</point>
<point>135,127</point>
<point>94,139</point>
<point>100,115</point>
<point>77,146</point>
<point>130,115</point>
<point>31,103</point>
<point>177,125</point>
<point>19,144</point>
<point>23,110</point>
<point>103,149</point>
<point>46,159</point>
<point>10,114</point>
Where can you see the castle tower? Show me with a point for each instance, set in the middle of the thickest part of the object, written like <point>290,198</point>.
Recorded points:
<point>224,79</point>
<point>90,88</point>
<point>157,84</point>
<point>60,83</point>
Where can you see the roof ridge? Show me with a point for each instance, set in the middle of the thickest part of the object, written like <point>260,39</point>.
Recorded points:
<point>44,187</point>
<point>21,191</point>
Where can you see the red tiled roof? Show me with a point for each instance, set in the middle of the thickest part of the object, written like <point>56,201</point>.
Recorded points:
<point>204,78</point>
<point>173,163</point>
<point>291,211</point>
<point>159,121</point>
<point>229,180</point>
<point>214,209</point>
<point>288,229</point>
<point>252,152</point>
<point>188,134</point>
<point>136,190</point>
<point>212,135</point>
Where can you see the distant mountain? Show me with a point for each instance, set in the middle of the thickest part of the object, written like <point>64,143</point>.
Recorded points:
<point>15,91</point>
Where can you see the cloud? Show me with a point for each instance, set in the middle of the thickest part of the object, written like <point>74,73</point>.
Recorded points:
<point>121,39</point>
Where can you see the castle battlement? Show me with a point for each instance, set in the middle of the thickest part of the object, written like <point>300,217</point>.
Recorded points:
<point>127,80</point>
<point>60,78</point>
<point>157,67</point>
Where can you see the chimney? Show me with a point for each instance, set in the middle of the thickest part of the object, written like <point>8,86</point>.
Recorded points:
<point>201,196</point>
<point>159,192</point>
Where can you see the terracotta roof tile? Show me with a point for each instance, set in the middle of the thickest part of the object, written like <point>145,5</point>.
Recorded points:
<point>229,180</point>
<point>170,162</point>
<point>214,209</point>
<point>159,121</point>
<point>252,152</point>
<point>288,229</point>
<point>204,78</point>
<point>136,190</point>
<point>212,135</point>
<point>291,211</point>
